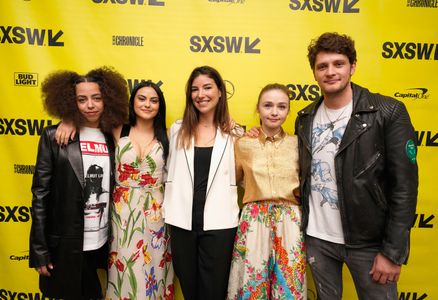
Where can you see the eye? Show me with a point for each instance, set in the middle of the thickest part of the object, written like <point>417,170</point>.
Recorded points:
<point>154,100</point>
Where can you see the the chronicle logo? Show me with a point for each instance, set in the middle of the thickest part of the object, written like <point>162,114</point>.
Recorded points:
<point>422,3</point>
<point>24,169</point>
<point>306,92</point>
<point>30,36</point>
<point>128,40</point>
<point>329,6</point>
<point>227,44</point>
<point>25,79</point>
<point>413,93</point>
<point>133,2</point>
<point>411,50</point>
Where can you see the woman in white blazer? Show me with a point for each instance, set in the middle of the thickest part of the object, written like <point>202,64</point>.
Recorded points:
<point>200,203</point>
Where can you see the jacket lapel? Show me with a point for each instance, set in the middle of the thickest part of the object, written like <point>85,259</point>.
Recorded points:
<point>220,144</point>
<point>75,158</point>
<point>190,155</point>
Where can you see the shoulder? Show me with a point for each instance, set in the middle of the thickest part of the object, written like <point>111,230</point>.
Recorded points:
<point>244,143</point>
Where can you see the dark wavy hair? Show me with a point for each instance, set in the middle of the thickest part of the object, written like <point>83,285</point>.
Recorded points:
<point>331,42</point>
<point>160,130</point>
<point>191,114</point>
<point>59,96</point>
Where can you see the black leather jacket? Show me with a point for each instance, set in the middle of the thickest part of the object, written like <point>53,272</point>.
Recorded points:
<point>57,230</point>
<point>376,173</point>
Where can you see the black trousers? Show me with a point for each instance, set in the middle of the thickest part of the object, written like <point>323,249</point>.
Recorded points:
<point>201,260</point>
<point>93,260</point>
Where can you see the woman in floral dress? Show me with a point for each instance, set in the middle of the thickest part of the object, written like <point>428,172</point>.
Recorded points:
<point>268,257</point>
<point>140,261</point>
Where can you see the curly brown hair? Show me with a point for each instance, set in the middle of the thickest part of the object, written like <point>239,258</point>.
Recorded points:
<point>332,42</point>
<point>59,96</point>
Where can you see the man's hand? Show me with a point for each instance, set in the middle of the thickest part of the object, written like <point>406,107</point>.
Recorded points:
<point>65,131</point>
<point>384,270</point>
<point>44,270</point>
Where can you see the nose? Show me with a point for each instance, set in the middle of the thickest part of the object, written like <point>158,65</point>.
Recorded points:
<point>330,70</point>
<point>90,103</point>
<point>274,111</point>
<point>147,103</point>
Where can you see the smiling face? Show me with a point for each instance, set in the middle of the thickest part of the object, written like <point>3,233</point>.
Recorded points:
<point>146,103</point>
<point>90,103</point>
<point>205,94</point>
<point>273,108</point>
<point>333,72</point>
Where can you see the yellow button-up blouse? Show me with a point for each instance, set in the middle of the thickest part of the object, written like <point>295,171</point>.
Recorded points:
<point>268,167</point>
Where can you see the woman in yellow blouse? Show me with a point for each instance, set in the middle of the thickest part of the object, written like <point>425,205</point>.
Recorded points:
<point>268,257</point>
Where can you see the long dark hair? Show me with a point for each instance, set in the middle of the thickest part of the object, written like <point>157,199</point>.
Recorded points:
<point>160,130</point>
<point>191,114</point>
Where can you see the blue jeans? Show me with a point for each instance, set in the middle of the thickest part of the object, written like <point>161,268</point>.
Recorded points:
<point>326,260</point>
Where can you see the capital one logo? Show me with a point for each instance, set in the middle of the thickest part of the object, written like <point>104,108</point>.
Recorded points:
<point>31,36</point>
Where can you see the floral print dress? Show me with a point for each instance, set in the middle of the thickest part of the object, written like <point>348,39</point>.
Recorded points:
<point>140,261</point>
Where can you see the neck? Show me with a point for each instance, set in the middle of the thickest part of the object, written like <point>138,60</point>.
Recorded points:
<point>339,99</point>
<point>206,120</point>
<point>271,131</point>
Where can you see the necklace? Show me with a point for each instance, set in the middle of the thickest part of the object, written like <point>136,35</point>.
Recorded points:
<point>332,123</point>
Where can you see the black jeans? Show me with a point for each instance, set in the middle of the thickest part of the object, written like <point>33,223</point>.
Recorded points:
<point>326,261</point>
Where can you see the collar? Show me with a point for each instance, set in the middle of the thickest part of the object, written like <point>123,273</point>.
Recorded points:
<point>276,139</point>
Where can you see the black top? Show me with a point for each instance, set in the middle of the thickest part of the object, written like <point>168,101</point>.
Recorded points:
<point>201,168</point>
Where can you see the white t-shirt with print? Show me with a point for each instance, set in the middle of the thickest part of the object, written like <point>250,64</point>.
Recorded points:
<point>327,131</point>
<point>96,162</point>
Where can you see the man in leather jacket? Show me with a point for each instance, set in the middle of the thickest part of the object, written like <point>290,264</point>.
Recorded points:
<point>359,177</point>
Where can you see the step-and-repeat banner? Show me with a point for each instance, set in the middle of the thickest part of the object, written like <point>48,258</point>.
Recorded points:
<point>252,43</point>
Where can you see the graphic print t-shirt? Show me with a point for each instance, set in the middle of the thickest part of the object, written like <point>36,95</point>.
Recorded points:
<point>327,131</point>
<point>96,163</point>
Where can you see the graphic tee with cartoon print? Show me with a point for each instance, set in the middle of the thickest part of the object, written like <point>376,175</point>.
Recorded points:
<point>96,164</point>
<point>327,131</point>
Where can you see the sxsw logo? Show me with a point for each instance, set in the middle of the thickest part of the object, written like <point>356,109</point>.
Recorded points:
<point>133,2</point>
<point>423,221</point>
<point>412,296</point>
<point>427,138</point>
<point>22,126</point>
<point>14,214</point>
<point>19,295</point>
<point>30,36</point>
<point>25,79</point>
<point>329,6</point>
<point>411,50</point>
<point>413,93</point>
<point>132,83</point>
<point>227,44</point>
<point>306,92</point>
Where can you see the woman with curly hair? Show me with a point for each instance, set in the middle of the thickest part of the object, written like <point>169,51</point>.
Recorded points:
<point>140,265</point>
<point>72,184</point>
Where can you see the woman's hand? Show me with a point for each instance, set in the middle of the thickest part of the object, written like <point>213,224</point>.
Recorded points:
<point>65,131</point>
<point>253,132</point>
<point>44,270</point>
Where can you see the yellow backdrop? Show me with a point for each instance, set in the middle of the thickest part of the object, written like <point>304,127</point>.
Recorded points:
<point>251,42</point>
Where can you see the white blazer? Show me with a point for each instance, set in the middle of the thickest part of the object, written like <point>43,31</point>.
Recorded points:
<point>221,208</point>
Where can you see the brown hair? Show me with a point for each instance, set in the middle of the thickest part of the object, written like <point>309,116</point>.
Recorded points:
<point>273,86</point>
<point>59,96</point>
<point>191,114</point>
<point>331,42</point>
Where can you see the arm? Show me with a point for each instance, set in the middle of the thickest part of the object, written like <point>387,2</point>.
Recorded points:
<point>402,170</point>
<point>238,163</point>
<point>66,130</point>
<point>39,256</point>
